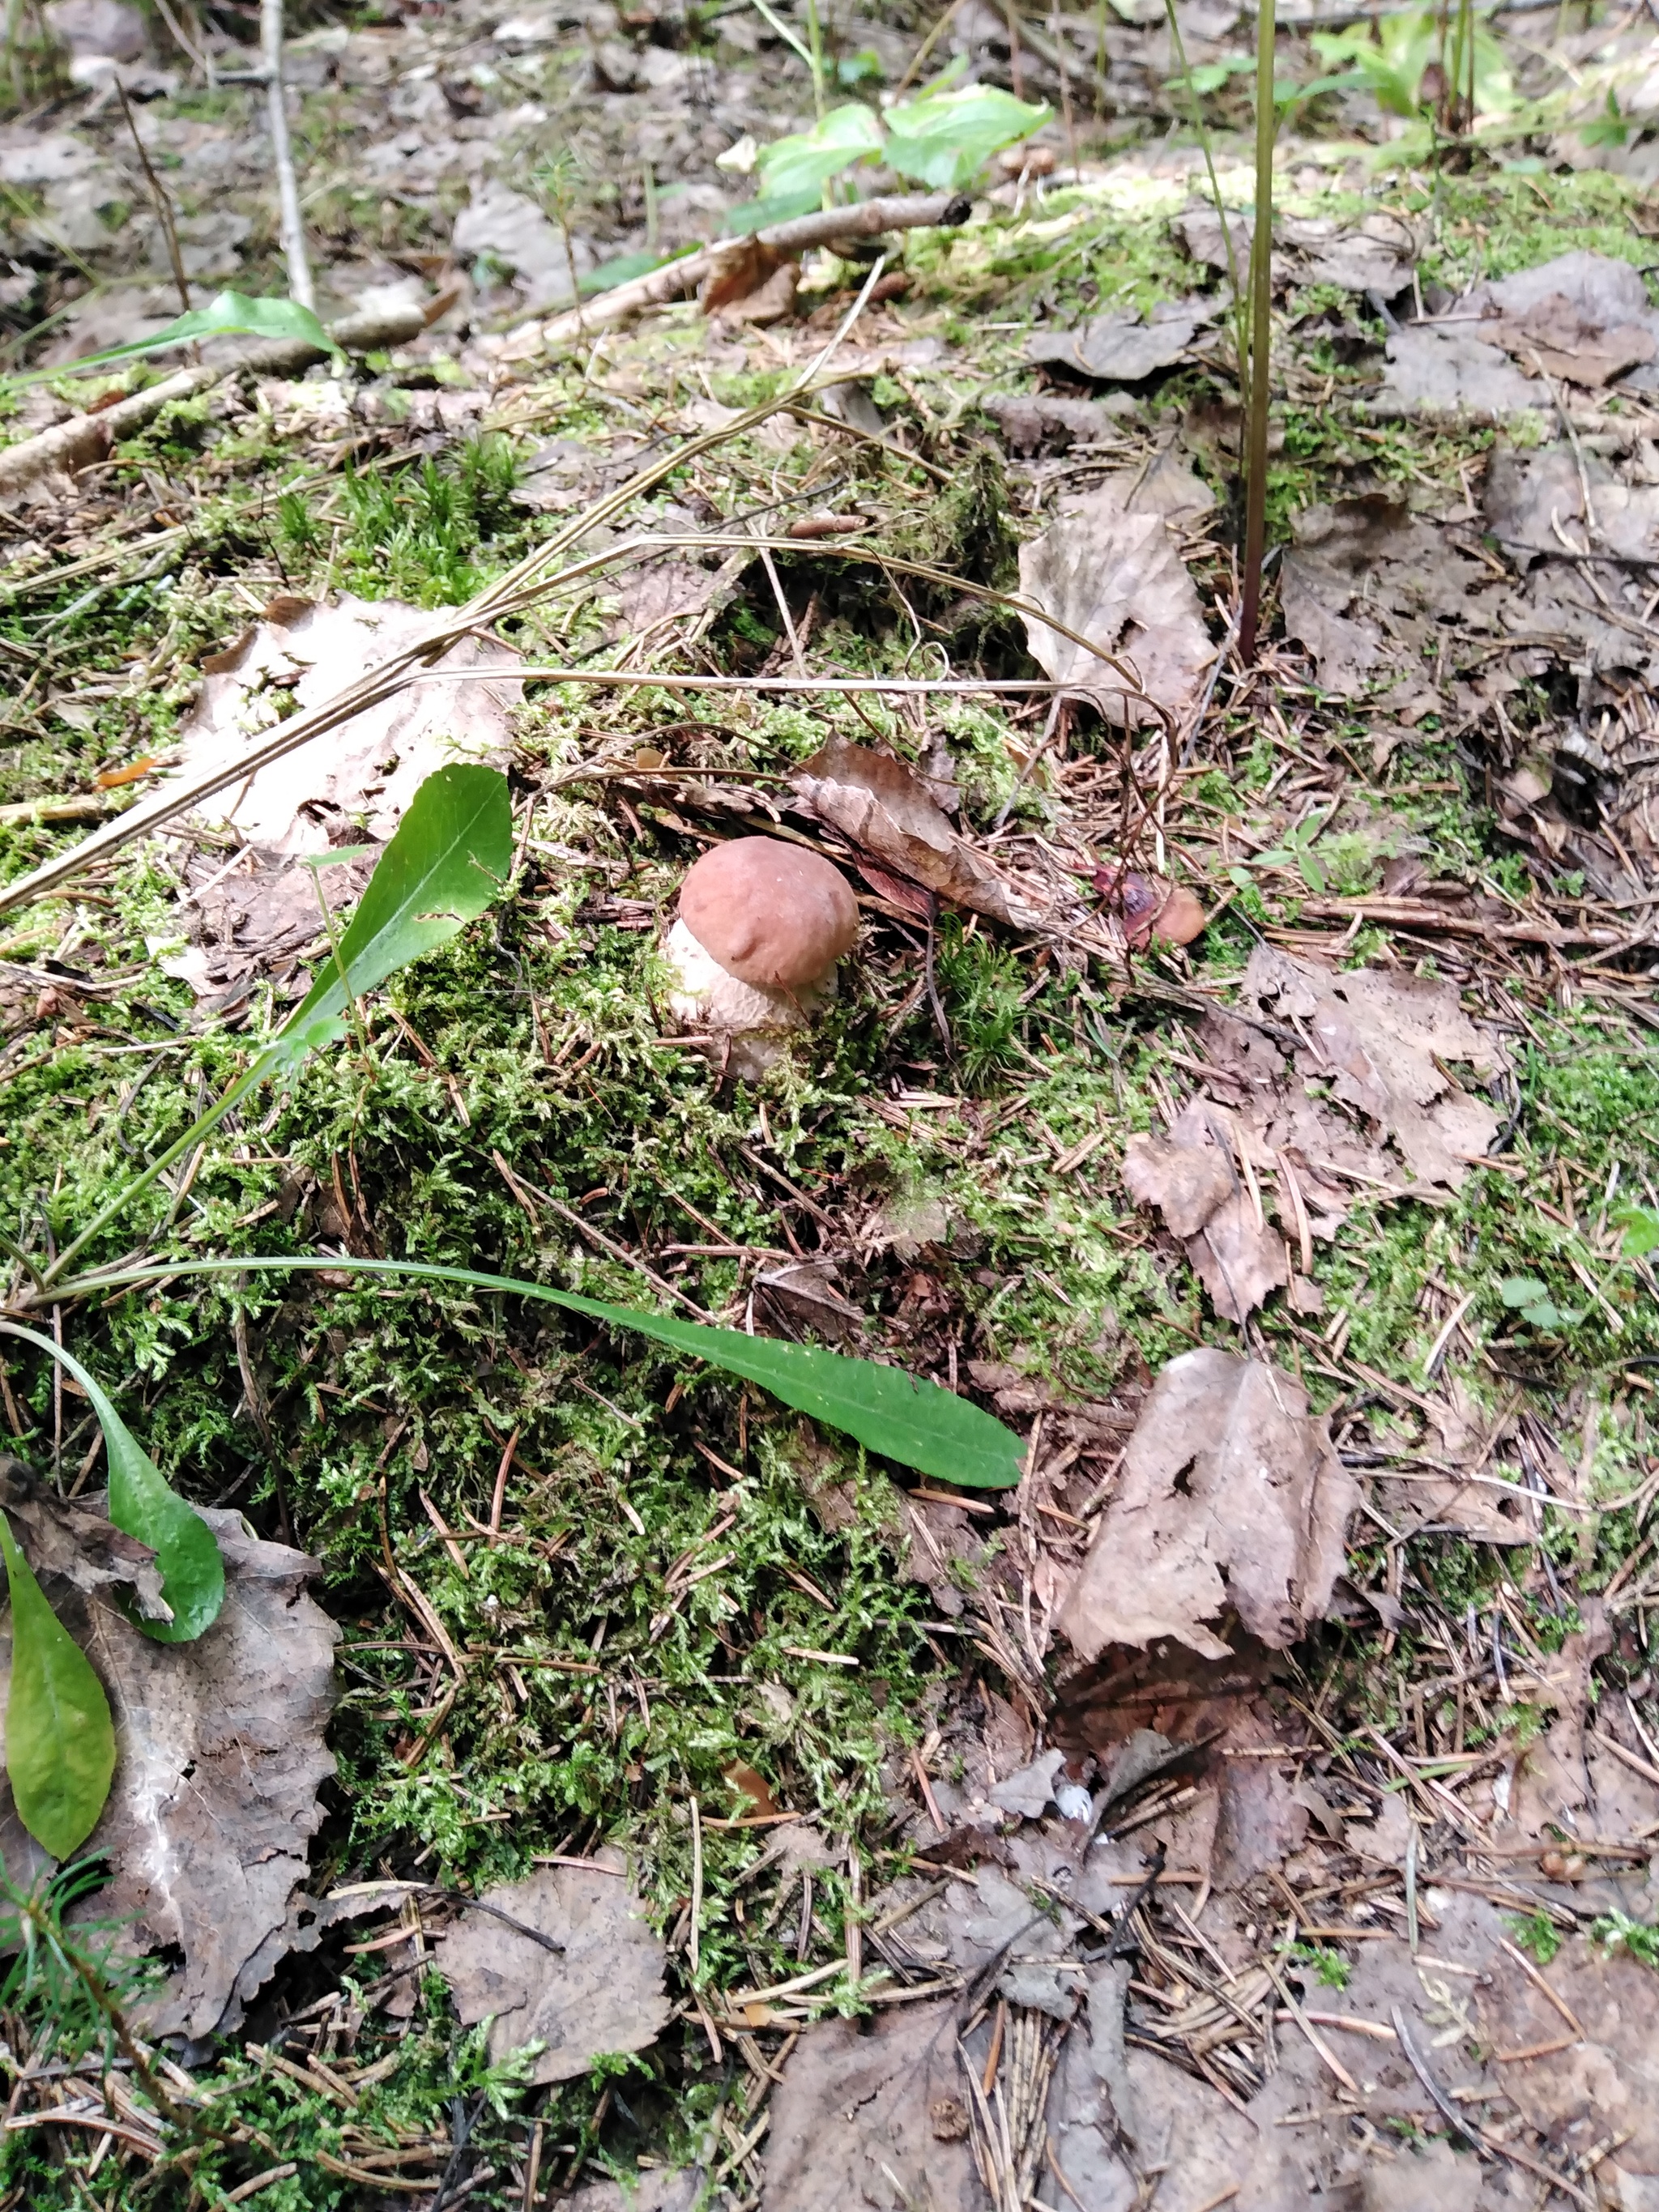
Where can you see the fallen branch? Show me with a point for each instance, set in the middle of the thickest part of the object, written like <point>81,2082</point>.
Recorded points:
<point>1426,915</point>
<point>677,279</point>
<point>88,437</point>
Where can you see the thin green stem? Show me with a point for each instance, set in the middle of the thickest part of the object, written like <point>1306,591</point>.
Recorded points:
<point>1261,250</point>
<point>815,37</point>
<point>158,1167</point>
<point>16,1252</point>
<point>1240,325</point>
<point>768,16</point>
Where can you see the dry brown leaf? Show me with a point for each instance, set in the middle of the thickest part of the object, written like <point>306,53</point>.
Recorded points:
<point>1436,373</point>
<point>870,2119</point>
<point>1190,1177</point>
<point>1585,316</point>
<point>1110,569</point>
<point>881,806</point>
<point>739,275</point>
<point>602,1992</point>
<point>1229,1496</point>
<point>359,777</point>
<point>1534,502</point>
<point>219,1757</point>
<point>1376,254</point>
<point>1119,348</point>
<point>257,916</point>
<point>76,1543</point>
<point>1031,422</point>
<point>1382,1042</point>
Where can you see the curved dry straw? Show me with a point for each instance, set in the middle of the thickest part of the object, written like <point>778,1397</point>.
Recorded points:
<point>523,586</point>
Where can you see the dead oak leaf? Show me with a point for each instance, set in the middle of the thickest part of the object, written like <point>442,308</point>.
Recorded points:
<point>1381,1042</point>
<point>1583,316</point>
<point>367,771</point>
<point>871,2119</point>
<point>600,1991</point>
<point>882,808</point>
<point>1119,348</point>
<point>1109,569</point>
<point>257,915</point>
<point>1189,1175</point>
<point>1231,1497</point>
<point>219,1757</point>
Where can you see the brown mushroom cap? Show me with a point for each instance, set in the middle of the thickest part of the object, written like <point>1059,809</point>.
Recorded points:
<point>770,913</point>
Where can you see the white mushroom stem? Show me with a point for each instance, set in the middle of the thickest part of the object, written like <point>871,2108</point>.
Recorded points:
<point>749,1022</point>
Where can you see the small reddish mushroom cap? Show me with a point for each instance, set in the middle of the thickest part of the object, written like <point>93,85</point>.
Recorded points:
<point>770,913</point>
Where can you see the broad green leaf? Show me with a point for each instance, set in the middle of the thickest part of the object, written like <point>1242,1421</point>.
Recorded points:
<point>1210,76</point>
<point>227,315</point>
<point>918,1423</point>
<point>1641,1227</point>
<point>1522,1290</point>
<point>449,857</point>
<point>1548,1315</point>
<point>945,138</point>
<point>60,1741</point>
<point>142,1505</point>
<point>800,166</point>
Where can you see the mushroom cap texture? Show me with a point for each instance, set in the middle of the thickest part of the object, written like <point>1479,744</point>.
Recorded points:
<point>770,913</point>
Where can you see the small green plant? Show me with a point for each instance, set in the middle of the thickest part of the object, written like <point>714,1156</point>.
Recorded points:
<point>1641,1226</point>
<point>1532,1299</point>
<point>1296,851</point>
<point>1535,1932</point>
<point>1437,69</point>
<point>861,68</point>
<point>1638,1939</point>
<point>943,137</point>
<point>228,314</point>
<point>1329,1968</point>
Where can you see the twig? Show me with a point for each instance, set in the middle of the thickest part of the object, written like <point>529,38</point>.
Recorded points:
<point>163,205</point>
<point>1461,2124</point>
<point>281,154</point>
<point>1301,2021</point>
<point>1543,1987</point>
<point>905,211</point>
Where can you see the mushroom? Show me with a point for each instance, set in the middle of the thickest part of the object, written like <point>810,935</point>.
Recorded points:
<point>761,926</point>
<point>1148,907</point>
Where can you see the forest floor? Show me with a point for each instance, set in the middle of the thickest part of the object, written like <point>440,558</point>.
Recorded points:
<point>860,1840</point>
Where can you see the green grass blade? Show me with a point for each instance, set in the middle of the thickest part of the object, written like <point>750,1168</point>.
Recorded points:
<point>144,1505</point>
<point>449,857</point>
<point>60,1740</point>
<point>228,314</point>
<point>916,1423</point>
